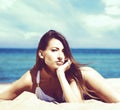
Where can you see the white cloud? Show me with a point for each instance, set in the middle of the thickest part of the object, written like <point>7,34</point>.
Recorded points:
<point>101,22</point>
<point>29,35</point>
<point>5,4</point>
<point>114,10</point>
<point>108,20</point>
<point>111,2</point>
<point>112,7</point>
<point>25,21</point>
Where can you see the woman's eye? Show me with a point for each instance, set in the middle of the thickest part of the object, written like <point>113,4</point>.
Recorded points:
<point>53,50</point>
<point>63,51</point>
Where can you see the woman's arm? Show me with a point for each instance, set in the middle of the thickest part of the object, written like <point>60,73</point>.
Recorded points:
<point>70,91</point>
<point>97,83</point>
<point>16,88</point>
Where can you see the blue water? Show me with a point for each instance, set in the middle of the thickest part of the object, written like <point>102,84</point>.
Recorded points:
<point>15,62</point>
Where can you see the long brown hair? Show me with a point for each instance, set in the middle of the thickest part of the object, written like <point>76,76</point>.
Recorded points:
<point>74,70</point>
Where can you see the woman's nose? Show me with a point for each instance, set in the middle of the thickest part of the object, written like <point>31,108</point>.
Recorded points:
<point>60,56</point>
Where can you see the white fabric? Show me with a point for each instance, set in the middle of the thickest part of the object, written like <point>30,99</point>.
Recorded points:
<point>39,93</point>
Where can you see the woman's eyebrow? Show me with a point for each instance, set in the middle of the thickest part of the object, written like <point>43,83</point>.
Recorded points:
<point>57,47</point>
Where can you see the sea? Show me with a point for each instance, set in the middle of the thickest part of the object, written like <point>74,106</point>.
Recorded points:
<point>15,62</point>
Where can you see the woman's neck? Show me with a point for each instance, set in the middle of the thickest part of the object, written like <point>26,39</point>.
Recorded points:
<point>49,72</point>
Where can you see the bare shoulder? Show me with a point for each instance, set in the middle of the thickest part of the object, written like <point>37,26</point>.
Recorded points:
<point>25,82</point>
<point>26,79</point>
<point>96,82</point>
<point>87,70</point>
<point>90,73</point>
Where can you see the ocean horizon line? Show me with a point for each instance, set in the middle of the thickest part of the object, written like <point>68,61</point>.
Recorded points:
<point>73,50</point>
<point>70,48</point>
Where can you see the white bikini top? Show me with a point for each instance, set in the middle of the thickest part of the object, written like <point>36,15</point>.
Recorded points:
<point>39,93</point>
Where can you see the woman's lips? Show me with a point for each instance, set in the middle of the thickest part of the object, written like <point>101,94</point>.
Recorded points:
<point>59,62</point>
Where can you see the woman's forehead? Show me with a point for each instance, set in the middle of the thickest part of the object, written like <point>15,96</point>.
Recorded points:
<point>55,43</point>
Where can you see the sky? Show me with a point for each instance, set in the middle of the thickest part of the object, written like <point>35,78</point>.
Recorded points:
<point>84,23</point>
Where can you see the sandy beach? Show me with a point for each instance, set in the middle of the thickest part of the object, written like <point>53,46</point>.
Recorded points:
<point>28,101</point>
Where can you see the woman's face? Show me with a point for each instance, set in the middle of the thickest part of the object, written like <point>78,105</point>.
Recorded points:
<point>54,56</point>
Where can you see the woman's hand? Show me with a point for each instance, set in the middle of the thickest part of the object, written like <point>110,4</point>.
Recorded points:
<point>65,66</point>
<point>73,95</point>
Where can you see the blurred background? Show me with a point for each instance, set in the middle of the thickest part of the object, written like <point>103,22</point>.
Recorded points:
<point>92,29</point>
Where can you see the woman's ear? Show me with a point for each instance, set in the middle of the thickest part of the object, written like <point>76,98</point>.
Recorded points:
<point>40,53</point>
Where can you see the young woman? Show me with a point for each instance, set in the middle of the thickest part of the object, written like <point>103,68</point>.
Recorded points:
<point>57,77</point>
